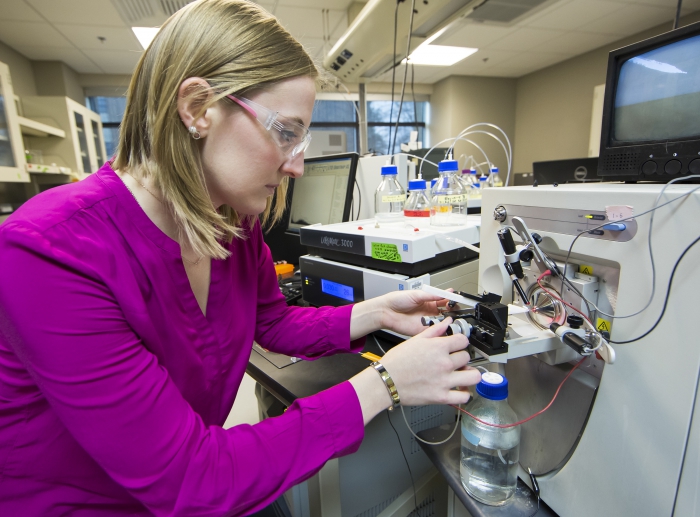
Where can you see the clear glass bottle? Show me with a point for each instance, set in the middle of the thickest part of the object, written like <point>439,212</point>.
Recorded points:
<point>466,178</point>
<point>483,183</point>
<point>390,196</point>
<point>489,457</point>
<point>475,191</point>
<point>449,198</point>
<point>417,207</point>
<point>494,178</point>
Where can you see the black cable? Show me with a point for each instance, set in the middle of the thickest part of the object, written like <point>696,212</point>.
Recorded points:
<point>415,499</point>
<point>668,293</point>
<point>393,74</point>
<point>678,14</point>
<point>359,200</point>
<point>413,94</point>
<point>405,72</point>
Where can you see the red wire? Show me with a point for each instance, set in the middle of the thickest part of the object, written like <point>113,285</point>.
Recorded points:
<point>550,293</point>
<point>504,426</point>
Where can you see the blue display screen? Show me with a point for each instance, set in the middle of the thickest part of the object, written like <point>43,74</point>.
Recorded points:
<point>334,289</point>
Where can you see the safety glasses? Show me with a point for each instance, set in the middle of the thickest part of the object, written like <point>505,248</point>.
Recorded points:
<point>291,137</point>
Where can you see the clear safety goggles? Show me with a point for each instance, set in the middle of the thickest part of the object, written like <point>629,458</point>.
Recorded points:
<point>291,137</point>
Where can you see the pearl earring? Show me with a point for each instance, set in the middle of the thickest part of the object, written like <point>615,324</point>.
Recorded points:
<point>195,134</point>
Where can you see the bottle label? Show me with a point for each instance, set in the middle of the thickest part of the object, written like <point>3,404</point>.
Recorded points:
<point>471,438</point>
<point>451,200</point>
<point>394,199</point>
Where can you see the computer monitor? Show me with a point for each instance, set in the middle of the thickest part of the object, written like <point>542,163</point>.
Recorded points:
<point>324,193</point>
<point>651,127</point>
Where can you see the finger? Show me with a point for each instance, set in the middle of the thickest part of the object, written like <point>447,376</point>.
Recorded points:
<point>459,359</point>
<point>457,397</point>
<point>465,377</point>
<point>456,342</point>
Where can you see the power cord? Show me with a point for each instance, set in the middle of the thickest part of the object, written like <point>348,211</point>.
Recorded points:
<point>393,74</point>
<point>405,73</point>
<point>410,473</point>
<point>651,255</point>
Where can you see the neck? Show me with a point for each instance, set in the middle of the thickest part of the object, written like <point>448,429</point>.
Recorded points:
<point>145,194</point>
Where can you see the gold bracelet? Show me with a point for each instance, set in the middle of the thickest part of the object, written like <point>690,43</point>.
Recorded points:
<point>389,383</point>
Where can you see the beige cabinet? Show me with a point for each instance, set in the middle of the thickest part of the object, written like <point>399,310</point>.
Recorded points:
<point>12,162</point>
<point>83,148</point>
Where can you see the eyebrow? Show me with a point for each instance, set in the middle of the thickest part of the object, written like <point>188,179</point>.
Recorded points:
<point>297,120</point>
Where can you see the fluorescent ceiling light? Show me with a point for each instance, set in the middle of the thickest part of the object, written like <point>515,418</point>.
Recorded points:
<point>145,35</point>
<point>439,55</point>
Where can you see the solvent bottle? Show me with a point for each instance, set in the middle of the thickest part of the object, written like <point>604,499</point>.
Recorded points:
<point>389,197</point>
<point>417,207</point>
<point>490,455</point>
<point>495,179</point>
<point>466,179</point>
<point>449,198</point>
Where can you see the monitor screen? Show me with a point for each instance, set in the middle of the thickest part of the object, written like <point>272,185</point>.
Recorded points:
<point>322,194</point>
<point>658,94</point>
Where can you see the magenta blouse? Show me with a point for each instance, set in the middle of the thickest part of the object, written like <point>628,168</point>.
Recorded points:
<point>113,384</point>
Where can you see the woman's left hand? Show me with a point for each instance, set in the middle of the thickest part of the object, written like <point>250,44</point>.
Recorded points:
<point>399,311</point>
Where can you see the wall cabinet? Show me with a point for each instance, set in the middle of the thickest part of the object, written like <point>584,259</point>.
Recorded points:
<point>83,148</point>
<point>12,163</point>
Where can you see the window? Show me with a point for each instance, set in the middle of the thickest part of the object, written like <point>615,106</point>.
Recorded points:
<point>341,115</point>
<point>381,123</point>
<point>337,116</point>
<point>111,111</point>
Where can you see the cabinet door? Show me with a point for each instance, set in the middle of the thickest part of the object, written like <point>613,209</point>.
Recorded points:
<point>11,153</point>
<point>81,138</point>
<point>98,140</point>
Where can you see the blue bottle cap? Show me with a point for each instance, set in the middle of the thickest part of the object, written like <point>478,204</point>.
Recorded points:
<point>472,171</point>
<point>433,182</point>
<point>494,170</point>
<point>448,165</point>
<point>416,185</point>
<point>493,386</point>
<point>390,169</point>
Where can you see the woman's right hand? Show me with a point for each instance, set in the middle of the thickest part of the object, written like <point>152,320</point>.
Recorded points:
<point>425,369</point>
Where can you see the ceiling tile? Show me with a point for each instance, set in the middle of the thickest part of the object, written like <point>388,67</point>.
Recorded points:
<point>86,37</point>
<point>74,58</point>
<point>340,5</point>
<point>303,22</point>
<point>574,14</point>
<point>474,35</point>
<point>78,12</point>
<point>630,19</point>
<point>525,38</point>
<point>31,34</point>
<point>18,10</point>
<point>575,43</point>
<point>115,61</point>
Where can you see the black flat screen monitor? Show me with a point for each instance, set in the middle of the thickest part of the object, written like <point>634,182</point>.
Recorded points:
<point>651,127</point>
<point>324,193</point>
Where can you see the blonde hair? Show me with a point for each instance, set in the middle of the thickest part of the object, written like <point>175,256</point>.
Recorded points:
<point>236,46</point>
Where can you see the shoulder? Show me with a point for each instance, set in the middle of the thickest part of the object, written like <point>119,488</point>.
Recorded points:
<point>59,205</point>
<point>71,221</point>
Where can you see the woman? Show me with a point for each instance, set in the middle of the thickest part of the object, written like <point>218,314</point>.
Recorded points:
<point>129,301</point>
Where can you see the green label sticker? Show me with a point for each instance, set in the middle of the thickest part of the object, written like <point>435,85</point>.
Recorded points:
<point>383,251</point>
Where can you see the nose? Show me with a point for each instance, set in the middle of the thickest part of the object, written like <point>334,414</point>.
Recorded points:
<point>293,166</point>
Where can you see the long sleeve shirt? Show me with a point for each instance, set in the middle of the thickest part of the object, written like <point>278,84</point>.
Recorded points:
<point>113,383</point>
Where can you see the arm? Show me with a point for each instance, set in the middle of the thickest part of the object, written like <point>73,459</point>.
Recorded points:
<point>124,410</point>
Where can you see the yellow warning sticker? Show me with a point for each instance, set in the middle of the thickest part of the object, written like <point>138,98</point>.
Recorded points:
<point>603,325</point>
<point>586,270</point>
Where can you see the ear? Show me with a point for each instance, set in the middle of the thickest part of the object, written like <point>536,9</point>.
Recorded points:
<point>191,97</point>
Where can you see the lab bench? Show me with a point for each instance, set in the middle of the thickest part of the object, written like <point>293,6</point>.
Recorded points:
<point>287,380</point>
